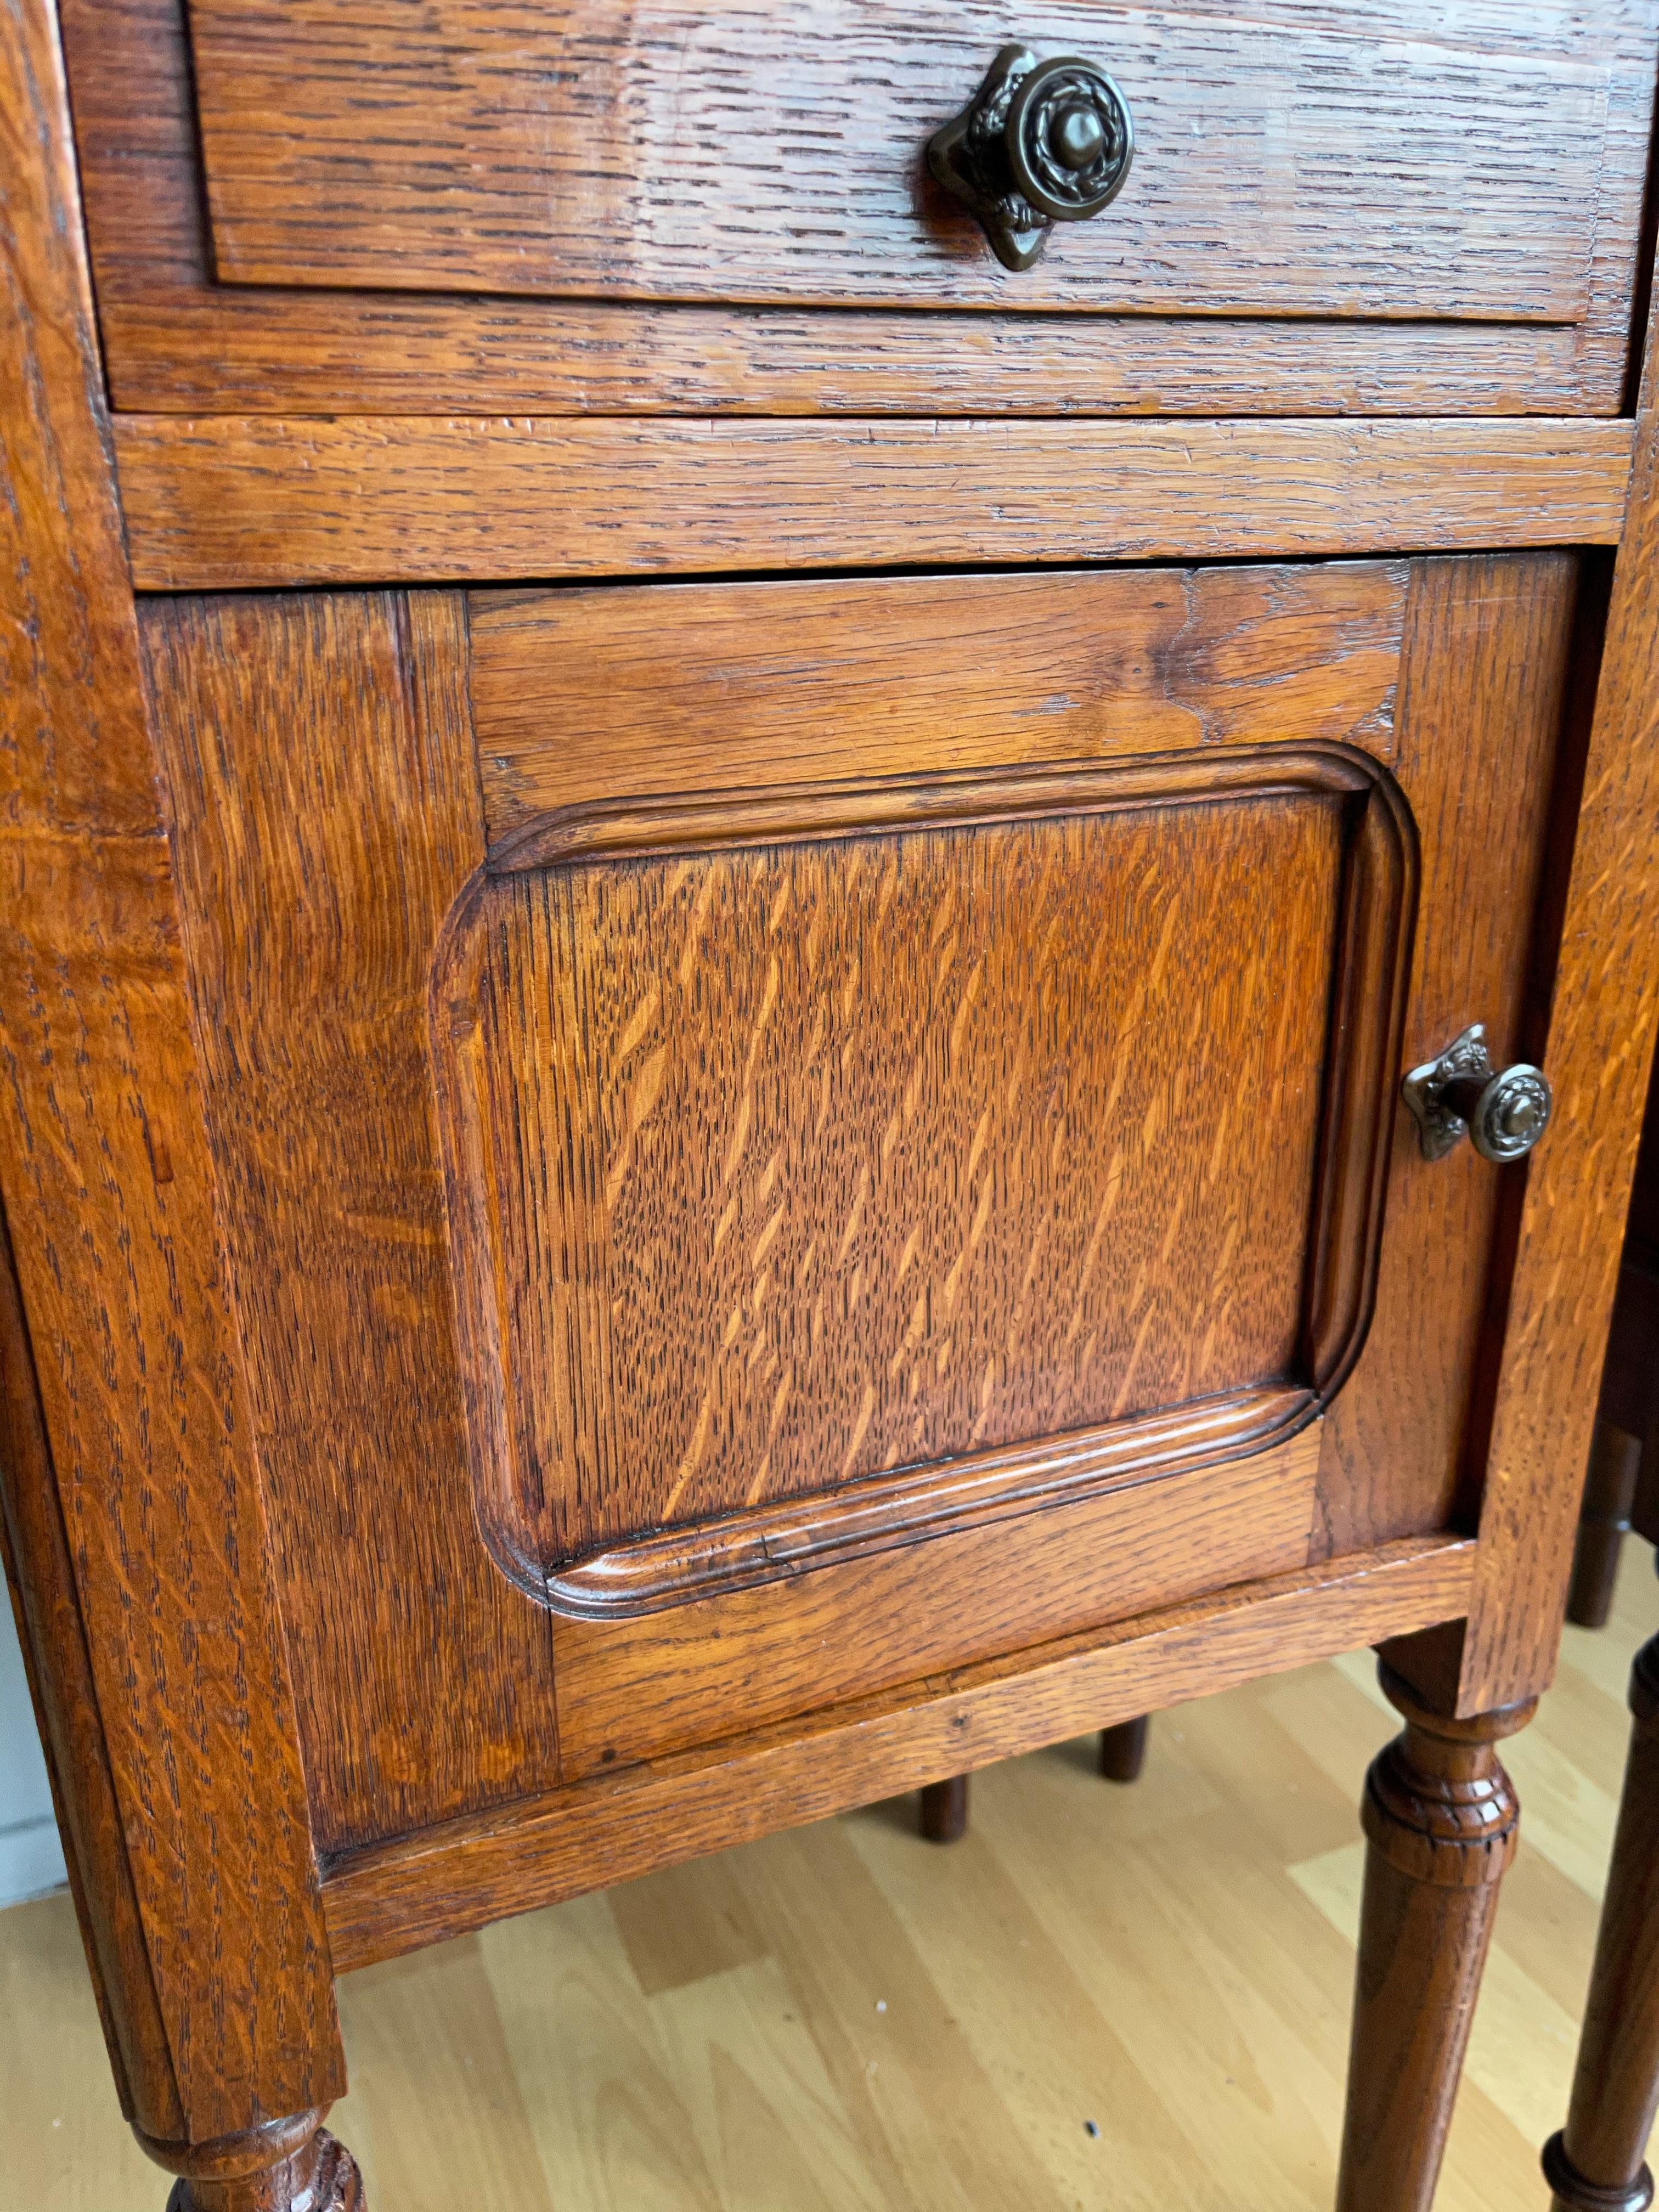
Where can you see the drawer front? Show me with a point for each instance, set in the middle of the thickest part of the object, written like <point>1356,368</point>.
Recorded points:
<point>776,153</point>
<point>716,1234</point>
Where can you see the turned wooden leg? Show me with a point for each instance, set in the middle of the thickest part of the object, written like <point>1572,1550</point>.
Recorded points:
<point>1123,1749</point>
<point>1440,1821</point>
<point>288,2166</point>
<point>1615,1462</point>
<point>1596,2163</point>
<point>945,1810</point>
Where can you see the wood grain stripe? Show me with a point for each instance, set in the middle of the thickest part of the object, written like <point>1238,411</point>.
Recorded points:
<point>646,149</point>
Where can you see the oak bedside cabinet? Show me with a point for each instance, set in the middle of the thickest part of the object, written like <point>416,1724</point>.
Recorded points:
<point>806,805</point>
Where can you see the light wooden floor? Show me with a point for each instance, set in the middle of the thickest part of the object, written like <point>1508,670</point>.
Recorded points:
<point>847,2018</point>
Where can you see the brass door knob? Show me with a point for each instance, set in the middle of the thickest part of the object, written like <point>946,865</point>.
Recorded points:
<point>1503,1112</point>
<point>1040,143</point>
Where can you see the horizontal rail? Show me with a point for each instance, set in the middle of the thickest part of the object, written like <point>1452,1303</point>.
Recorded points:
<point>227,501</point>
<point>392,1897</point>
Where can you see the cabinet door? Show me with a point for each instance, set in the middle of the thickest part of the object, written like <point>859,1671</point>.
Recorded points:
<point>913,1071</point>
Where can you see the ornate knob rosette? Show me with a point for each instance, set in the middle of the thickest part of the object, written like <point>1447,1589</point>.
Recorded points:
<point>1041,142</point>
<point>1503,1111</point>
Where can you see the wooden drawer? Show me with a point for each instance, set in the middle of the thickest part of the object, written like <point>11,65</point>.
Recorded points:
<point>792,1136</point>
<point>1389,207</point>
<point>773,153</point>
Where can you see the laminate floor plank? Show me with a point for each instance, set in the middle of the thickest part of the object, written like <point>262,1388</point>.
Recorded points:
<point>62,2143</point>
<point>846,2019</point>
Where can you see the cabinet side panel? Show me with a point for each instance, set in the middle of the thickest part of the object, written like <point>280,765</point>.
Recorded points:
<point>1599,1051</point>
<point>52,1634</point>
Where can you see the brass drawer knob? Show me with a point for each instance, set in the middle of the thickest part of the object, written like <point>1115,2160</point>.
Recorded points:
<point>1040,143</point>
<point>1503,1112</point>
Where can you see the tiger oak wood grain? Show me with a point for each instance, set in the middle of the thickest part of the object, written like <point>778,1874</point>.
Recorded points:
<point>191,349</point>
<point>315,656</point>
<point>1599,1051</point>
<point>320,758</point>
<point>129,1314</point>
<point>60,527</point>
<point>251,501</point>
<point>574,698</point>
<point>218,1160</point>
<point>1484,692</point>
<point>71,754</point>
<point>154,1505</point>
<point>415,1890</point>
<point>816,1161</point>
<point>648,151</point>
<point>1479,723</point>
<point>177,340</point>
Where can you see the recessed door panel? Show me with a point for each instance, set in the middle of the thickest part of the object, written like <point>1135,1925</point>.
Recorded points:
<point>838,1172</point>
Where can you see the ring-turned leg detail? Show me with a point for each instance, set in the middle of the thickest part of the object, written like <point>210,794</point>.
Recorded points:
<point>1440,1819</point>
<point>291,2165</point>
<point>1572,2192</point>
<point>1596,2163</point>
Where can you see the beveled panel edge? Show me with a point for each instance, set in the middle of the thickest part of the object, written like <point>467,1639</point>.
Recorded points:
<point>447,1880</point>
<point>794,1535</point>
<point>254,503</point>
<point>880,806</point>
<point>731,1662</point>
<point>769,1543</point>
<point>1379,927</point>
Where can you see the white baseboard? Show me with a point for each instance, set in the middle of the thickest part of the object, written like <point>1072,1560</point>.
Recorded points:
<point>31,1861</point>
